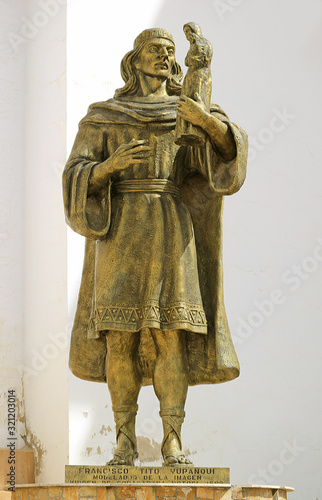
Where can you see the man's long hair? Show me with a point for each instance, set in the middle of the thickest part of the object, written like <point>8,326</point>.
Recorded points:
<point>129,75</point>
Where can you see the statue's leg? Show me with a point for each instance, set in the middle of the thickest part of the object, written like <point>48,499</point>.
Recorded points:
<point>170,380</point>
<point>124,383</point>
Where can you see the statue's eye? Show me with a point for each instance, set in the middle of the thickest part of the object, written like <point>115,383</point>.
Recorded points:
<point>153,48</point>
<point>170,52</point>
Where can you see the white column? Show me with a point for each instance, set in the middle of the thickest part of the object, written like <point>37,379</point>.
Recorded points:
<point>12,66</point>
<point>45,304</point>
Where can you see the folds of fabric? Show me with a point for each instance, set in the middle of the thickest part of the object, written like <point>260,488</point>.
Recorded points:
<point>212,357</point>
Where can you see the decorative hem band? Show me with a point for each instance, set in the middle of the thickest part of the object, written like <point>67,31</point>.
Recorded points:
<point>178,316</point>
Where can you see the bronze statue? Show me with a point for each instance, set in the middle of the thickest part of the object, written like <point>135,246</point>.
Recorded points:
<point>150,306</point>
<point>197,84</point>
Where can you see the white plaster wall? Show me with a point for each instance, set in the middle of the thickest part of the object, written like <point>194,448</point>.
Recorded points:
<point>267,76</point>
<point>33,235</point>
<point>12,67</point>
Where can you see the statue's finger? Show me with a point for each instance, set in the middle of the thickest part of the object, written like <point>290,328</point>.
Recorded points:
<point>131,145</point>
<point>139,160</point>
<point>137,142</point>
<point>139,149</point>
<point>129,152</point>
<point>184,98</point>
<point>142,155</point>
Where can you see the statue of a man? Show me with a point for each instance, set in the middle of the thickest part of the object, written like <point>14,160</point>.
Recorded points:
<point>150,306</point>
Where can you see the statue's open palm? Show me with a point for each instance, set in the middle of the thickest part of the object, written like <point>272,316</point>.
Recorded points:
<point>128,154</point>
<point>134,152</point>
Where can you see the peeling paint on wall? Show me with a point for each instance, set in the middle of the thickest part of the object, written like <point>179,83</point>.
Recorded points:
<point>30,439</point>
<point>39,450</point>
<point>104,430</point>
<point>149,450</point>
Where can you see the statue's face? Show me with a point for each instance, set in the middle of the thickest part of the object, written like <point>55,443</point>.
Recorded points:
<point>156,58</point>
<point>191,36</point>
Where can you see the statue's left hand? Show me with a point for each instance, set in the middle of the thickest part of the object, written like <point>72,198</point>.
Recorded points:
<point>218,131</point>
<point>192,111</point>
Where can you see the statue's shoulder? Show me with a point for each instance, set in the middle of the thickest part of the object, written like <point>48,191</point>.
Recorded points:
<point>99,112</point>
<point>132,111</point>
<point>101,105</point>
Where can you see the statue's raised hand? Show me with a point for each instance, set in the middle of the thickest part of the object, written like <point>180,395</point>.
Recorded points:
<point>135,152</point>
<point>192,111</point>
<point>128,154</point>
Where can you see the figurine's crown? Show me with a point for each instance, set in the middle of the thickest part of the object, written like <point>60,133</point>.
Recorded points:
<point>152,33</point>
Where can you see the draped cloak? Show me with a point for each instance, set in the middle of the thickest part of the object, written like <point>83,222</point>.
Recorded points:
<point>203,178</point>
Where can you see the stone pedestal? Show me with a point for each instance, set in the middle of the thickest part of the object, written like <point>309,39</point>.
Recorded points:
<point>149,492</point>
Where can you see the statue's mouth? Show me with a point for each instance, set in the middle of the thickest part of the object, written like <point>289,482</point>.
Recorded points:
<point>162,66</point>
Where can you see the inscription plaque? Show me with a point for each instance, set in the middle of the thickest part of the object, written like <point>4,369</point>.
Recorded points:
<point>130,474</point>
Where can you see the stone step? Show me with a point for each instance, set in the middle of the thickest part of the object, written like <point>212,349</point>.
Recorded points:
<point>149,492</point>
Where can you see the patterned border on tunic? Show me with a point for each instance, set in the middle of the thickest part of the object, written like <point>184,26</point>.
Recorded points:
<point>150,315</point>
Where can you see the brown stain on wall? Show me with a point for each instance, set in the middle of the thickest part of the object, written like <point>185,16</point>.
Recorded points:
<point>149,450</point>
<point>32,442</point>
<point>104,430</point>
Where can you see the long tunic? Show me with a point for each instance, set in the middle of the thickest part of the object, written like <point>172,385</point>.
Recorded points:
<point>144,268</point>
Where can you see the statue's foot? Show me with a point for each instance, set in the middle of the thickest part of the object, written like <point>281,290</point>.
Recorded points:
<point>173,456</point>
<point>123,457</point>
<point>176,461</point>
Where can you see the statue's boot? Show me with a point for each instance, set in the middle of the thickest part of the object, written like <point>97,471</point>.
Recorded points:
<point>124,417</point>
<point>171,447</point>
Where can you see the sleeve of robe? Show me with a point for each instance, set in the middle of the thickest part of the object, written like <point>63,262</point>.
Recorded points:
<point>87,214</point>
<point>212,358</point>
<point>224,178</point>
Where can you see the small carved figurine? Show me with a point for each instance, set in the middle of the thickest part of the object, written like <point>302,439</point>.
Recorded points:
<point>196,85</point>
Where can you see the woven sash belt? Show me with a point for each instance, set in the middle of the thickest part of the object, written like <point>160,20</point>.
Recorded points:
<point>146,186</point>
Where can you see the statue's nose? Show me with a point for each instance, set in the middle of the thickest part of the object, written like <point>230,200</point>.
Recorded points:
<point>163,52</point>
